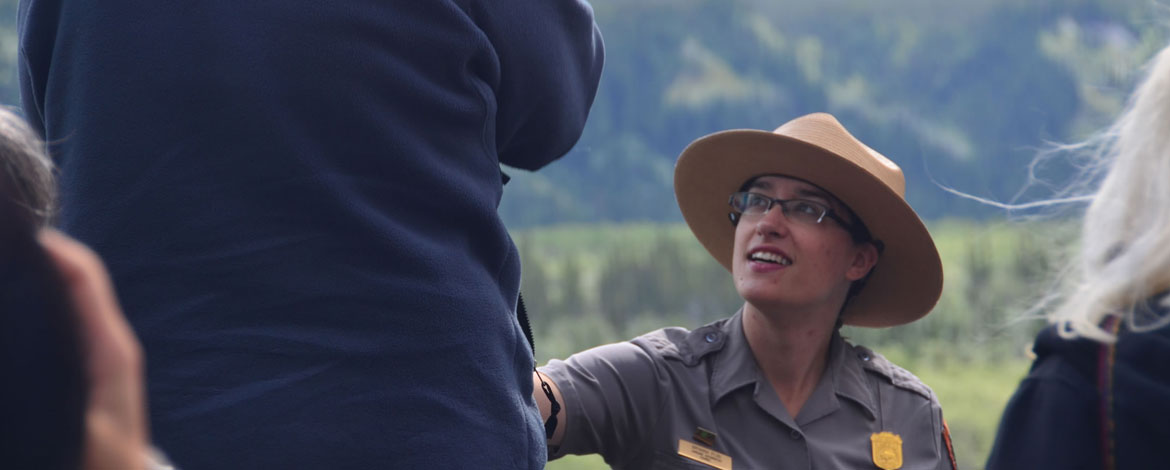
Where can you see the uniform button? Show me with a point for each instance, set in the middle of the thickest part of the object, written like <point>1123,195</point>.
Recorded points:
<point>795,435</point>
<point>712,337</point>
<point>863,356</point>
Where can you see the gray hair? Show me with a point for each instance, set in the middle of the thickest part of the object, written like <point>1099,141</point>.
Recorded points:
<point>1124,254</point>
<point>25,164</point>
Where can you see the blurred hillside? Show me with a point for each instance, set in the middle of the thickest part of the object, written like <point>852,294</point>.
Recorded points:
<point>963,93</point>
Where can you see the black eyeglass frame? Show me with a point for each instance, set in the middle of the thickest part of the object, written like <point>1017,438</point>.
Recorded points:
<point>859,232</point>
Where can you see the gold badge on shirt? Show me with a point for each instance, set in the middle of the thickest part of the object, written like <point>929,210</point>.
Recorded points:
<point>887,450</point>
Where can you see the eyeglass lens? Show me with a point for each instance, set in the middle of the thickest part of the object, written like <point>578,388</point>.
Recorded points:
<point>800,210</point>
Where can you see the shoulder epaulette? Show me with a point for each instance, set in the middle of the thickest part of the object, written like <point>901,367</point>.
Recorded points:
<point>682,344</point>
<point>899,377</point>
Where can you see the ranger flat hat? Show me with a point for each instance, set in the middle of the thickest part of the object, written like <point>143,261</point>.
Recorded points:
<point>907,280</point>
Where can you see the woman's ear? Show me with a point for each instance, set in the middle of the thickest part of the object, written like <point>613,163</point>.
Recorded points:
<point>864,259</point>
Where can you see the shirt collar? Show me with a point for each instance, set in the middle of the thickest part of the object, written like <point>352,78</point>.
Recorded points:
<point>846,378</point>
<point>735,367</point>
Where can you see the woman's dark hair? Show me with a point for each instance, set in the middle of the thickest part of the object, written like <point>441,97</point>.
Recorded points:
<point>42,414</point>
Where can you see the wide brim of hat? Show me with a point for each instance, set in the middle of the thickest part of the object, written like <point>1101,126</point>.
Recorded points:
<point>907,280</point>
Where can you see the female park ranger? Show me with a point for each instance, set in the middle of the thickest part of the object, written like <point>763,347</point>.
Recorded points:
<point>816,232</point>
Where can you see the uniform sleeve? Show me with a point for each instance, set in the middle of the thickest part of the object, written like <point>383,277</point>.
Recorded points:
<point>613,397</point>
<point>946,451</point>
<point>940,457</point>
<point>1050,422</point>
<point>550,57</point>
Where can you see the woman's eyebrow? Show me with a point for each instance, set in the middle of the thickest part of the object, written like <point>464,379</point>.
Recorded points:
<point>804,193</point>
<point>814,193</point>
<point>760,184</point>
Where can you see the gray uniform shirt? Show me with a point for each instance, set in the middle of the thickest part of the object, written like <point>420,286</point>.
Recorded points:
<point>632,402</point>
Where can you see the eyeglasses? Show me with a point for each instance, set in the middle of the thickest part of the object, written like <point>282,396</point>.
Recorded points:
<point>802,211</point>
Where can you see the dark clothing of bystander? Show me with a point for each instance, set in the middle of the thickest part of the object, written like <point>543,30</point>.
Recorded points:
<point>1088,405</point>
<point>297,202</point>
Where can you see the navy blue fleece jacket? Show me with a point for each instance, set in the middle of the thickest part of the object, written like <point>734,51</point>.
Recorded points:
<point>1086,405</point>
<point>297,201</point>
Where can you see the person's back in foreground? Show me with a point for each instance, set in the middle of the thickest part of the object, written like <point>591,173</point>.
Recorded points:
<point>297,202</point>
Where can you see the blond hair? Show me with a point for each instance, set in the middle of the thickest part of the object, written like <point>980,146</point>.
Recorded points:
<point>1124,255</point>
<point>26,167</point>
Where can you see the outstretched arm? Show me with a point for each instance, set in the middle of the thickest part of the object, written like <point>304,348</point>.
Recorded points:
<point>610,399</point>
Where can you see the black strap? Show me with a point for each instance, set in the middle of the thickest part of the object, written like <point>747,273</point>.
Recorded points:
<point>550,424</point>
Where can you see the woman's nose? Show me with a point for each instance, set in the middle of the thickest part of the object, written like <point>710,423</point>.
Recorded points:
<point>773,223</point>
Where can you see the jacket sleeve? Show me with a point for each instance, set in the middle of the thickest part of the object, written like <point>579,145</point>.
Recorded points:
<point>550,57</point>
<point>31,72</point>
<point>613,396</point>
